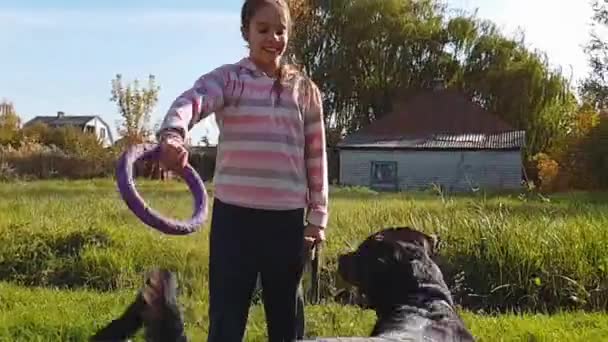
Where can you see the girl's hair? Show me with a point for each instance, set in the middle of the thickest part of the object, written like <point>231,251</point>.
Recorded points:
<point>249,9</point>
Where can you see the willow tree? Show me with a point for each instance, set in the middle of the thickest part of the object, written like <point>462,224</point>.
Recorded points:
<point>594,89</point>
<point>365,53</point>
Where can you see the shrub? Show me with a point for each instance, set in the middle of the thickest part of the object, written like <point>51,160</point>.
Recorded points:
<point>547,171</point>
<point>34,160</point>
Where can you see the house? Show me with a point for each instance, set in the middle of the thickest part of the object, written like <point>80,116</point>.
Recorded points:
<point>434,137</point>
<point>88,123</point>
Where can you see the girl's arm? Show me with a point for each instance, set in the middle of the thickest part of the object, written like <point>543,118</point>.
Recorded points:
<point>205,97</point>
<point>315,155</point>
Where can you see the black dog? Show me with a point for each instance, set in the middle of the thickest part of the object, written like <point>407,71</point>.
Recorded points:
<point>155,309</point>
<point>395,271</point>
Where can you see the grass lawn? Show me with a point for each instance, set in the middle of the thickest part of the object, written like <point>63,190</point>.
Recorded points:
<point>72,255</point>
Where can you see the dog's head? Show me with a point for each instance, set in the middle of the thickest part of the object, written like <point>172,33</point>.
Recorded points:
<point>390,265</point>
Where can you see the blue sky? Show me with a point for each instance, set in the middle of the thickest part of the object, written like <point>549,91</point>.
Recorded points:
<point>60,55</point>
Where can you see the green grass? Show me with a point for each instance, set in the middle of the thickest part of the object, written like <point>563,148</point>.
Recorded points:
<point>72,255</point>
<point>50,315</point>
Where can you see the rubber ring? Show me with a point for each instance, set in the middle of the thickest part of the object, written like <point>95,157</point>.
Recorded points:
<point>152,218</point>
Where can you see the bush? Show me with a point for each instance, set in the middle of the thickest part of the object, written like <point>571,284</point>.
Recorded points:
<point>547,171</point>
<point>36,161</point>
<point>583,163</point>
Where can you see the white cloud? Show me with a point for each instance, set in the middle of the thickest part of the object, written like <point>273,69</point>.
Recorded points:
<point>126,19</point>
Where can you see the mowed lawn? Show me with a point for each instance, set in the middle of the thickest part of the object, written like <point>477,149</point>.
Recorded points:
<point>72,256</point>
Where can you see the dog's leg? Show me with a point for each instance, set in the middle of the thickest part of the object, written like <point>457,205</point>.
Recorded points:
<point>163,319</point>
<point>155,309</point>
<point>124,326</point>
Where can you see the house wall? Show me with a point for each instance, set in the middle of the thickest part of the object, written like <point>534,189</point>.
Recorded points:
<point>98,125</point>
<point>454,170</point>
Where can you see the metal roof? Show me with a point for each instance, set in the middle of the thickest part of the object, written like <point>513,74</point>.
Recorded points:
<point>437,119</point>
<point>472,141</point>
<point>76,120</point>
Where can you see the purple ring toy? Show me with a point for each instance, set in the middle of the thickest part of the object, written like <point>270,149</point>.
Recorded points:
<point>126,187</point>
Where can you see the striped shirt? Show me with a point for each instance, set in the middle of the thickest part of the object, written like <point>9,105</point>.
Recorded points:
<point>271,148</point>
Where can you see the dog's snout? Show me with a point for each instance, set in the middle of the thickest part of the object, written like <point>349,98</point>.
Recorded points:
<point>346,268</point>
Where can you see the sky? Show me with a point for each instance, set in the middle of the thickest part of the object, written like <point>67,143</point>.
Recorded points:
<point>61,55</point>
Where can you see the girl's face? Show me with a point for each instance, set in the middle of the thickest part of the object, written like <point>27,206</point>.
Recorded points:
<point>267,37</point>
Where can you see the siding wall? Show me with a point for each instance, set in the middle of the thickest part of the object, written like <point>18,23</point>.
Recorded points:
<point>455,170</point>
<point>98,124</point>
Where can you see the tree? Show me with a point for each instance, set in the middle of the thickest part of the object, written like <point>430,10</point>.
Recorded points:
<point>73,140</point>
<point>10,124</point>
<point>594,89</point>
<point>37,132</point>
<point>365,53</point>
<point>518,85</point>
<point>135,105</point>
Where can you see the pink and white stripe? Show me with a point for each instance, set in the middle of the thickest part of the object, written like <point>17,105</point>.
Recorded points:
<point>271,155</point>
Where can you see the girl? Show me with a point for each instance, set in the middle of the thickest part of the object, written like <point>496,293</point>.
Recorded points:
<point>271,174</point>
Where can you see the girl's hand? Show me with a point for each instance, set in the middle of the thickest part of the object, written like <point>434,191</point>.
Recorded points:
<point>313,235</point>
<point>173,154</point>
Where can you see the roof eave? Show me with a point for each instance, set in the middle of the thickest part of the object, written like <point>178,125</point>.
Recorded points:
<point>413,148</point>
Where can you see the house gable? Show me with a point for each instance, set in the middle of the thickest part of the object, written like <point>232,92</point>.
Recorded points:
<point>80,121</point>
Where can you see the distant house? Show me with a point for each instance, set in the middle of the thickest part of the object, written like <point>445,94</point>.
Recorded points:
<point>434,137</point>
<point>88,123</point>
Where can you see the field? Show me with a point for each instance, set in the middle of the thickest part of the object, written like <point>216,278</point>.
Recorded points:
<point>524,267</point>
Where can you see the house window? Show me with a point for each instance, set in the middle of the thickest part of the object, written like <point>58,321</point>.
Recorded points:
<point>102,133</point>
<point>89,129</point>
<point>384,174</point>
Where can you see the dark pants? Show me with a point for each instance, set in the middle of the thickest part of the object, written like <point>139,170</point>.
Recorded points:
<point>244,243</point>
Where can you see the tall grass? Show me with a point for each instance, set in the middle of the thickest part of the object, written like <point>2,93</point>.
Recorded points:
<point>500,253</point>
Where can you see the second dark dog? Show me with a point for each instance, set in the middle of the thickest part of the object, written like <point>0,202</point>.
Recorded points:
<point>394,269</point>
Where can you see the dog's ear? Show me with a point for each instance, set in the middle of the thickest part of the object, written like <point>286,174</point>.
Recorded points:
<point>429,242</point>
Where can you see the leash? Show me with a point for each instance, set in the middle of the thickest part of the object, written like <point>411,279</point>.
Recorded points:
<point>315,262</point>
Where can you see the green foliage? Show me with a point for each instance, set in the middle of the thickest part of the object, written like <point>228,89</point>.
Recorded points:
<point>74,141</point>
<point>594,89</point>
<point>516,84</point>
<point>135,104</point>
<point>9,124</point>
<point>594,148</point>
<point>37,132</point>
<point>44,153</point>
<point>69,139</point>
<point>366,53</point>
<point>102,246</point>
<point>74,316</point>
<point>547,171</point>
<point>581,153</point>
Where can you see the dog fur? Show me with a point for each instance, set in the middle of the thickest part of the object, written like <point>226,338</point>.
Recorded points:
<point>155,309</point>
<point>395,270</point>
